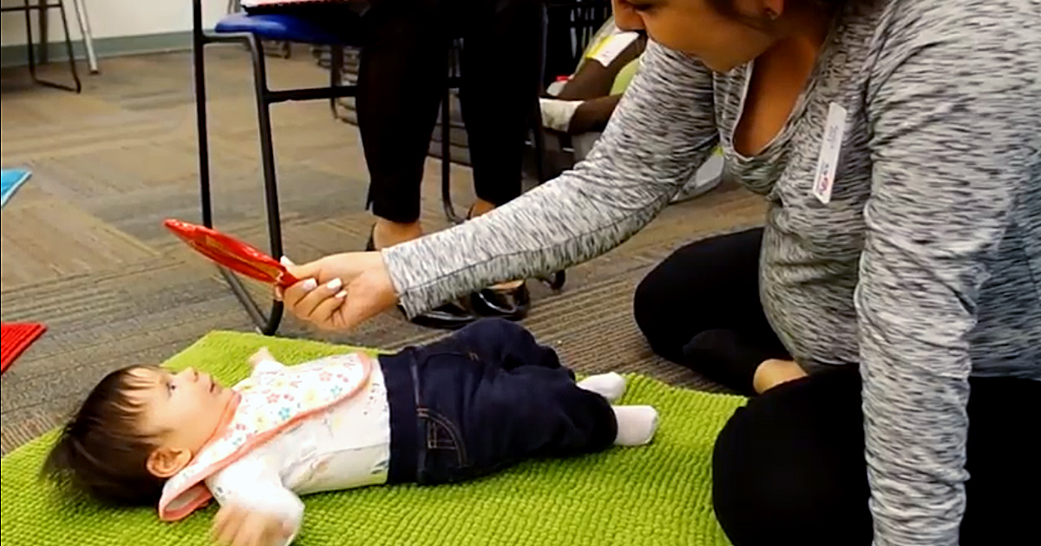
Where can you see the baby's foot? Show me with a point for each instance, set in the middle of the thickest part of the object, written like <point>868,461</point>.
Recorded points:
<point>609,385</point>
<point>636,424</point>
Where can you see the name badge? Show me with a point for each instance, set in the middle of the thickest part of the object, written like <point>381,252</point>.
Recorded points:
<point>828,162</point>
<point>611,47</point>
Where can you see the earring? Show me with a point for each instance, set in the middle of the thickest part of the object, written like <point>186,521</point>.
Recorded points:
<point>771,14</point>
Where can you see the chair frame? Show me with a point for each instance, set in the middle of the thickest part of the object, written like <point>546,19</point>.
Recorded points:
<point>41,7</point>
<point>268,323</point>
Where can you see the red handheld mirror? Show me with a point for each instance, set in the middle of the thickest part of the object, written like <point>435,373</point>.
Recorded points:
<point>232,253</point>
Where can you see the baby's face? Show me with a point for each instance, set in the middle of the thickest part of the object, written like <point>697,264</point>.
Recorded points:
<point>181,410</point>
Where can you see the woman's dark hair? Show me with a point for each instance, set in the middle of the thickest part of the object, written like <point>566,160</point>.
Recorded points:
<point>101,452</point>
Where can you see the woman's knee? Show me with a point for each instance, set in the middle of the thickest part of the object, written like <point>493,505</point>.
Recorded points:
<point>755,502</point>
<point>665,291</point>
<point>711,284</point>
<point>782,473</point>
<point>647,303</point>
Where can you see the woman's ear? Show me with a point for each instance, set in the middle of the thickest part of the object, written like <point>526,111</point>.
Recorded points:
<point>164,462</point>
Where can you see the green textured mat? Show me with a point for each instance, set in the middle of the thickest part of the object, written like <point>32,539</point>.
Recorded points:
<point>657,495</point>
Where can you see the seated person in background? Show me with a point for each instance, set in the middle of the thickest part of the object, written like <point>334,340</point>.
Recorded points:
<point>477,402</point>
<point>581,105</point>
<point>402,74</point>
<point>585,100</point>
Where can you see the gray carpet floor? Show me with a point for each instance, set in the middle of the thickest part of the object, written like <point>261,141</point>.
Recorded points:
<point>82,248</point>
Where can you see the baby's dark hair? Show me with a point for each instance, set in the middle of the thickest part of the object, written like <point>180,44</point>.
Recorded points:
<point>101,451</point>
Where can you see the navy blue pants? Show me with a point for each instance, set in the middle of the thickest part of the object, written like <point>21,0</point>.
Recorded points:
<point>483,399</point>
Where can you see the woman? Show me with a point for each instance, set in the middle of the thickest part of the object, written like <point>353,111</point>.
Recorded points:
<point>896,143</point>
<point>402,75</point>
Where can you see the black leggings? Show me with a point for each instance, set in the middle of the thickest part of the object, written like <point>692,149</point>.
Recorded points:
<point>401,81</point>
<point>789,467</point>
<point>700,308</point>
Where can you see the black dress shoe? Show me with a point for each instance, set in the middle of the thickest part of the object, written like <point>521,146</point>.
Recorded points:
<point>450,316</point>
<point>511,304</point>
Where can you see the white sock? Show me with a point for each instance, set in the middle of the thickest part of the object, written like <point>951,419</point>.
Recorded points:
<point>609,385</point>
<point>636,425</point>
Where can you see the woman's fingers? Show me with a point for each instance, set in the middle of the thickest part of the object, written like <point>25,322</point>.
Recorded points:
<point>327,313</point>
<point>369,295</point>
<point>306,306</point>
<point>294,294</point>
<point>340,291</point>
<point>323,270</point>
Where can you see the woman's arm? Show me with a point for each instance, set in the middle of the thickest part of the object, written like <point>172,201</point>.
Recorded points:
<point>663,130</point>
<point>954,124</point>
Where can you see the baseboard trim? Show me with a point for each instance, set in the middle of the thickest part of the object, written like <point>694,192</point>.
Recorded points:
<point>18,55</point>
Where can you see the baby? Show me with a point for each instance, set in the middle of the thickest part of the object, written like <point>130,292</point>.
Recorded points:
<point>483,399</point>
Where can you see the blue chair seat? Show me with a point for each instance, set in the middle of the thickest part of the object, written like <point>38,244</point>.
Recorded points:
<point>275,27</point>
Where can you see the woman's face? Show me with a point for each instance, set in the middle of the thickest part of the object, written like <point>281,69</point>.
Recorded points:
<point>696,28</point>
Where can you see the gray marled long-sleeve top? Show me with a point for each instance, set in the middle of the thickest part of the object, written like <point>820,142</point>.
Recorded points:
<point>924,267</point>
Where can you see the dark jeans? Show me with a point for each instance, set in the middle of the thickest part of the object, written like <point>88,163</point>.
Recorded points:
<point>700,308</point>
<point>483,399</point>
<point>401,82</point>
<point>789,467</point>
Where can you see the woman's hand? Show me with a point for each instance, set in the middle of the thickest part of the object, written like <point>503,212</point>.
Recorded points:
<point>340,291</point>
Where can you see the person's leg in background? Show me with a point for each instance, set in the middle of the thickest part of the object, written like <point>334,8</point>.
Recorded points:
<point>700,308</point>
<point>502,45</point>
<point>585,102</point>
<point>401,79</point>
<point>501,61</point>
<point>789,467</point>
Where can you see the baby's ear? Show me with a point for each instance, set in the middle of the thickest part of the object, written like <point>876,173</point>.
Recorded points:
<point>164,462</point>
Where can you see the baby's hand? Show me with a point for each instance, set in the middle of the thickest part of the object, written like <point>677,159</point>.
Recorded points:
<point>238,526</point>
<point>262,355</point>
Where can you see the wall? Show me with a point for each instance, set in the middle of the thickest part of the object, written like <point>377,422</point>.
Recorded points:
<point>114,19</point>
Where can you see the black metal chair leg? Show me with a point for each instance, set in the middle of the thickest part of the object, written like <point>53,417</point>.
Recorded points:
<point>68,45</point>
<point>336,78</point>
<point>266,324</point>
<point>539,139</point>
<point>267,154</point>
<point>41,6</point>
<point>198,51</point>
<point>446,158</point>
<point>30,48</point>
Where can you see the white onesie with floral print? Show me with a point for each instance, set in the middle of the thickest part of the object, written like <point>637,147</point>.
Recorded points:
<point>345,447</point>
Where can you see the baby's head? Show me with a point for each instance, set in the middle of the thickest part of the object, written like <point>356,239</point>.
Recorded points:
<point>137,428</point>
